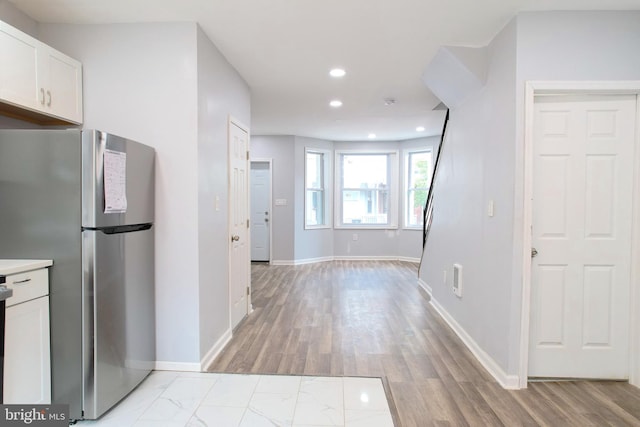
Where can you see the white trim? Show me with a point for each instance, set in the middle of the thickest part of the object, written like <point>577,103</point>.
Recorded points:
<point>271,210</point>
<point>375,258</point>
<point>533,88</point>
<point>509,382</point>
<point>344,258</point>
<point>365,227</point>
<point>215,350</point>
<point>177,366</point>
<point>394,188</point>
<point>634,339</point>
<point>281,262</point>
<point>424,285</point>
<point>327,185</point>
<point>406,152</point>
<point>527,220</point>
<point>311,260</point>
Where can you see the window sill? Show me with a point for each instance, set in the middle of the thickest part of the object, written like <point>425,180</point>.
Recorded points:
<point>317,227</point>
<point>366,227</point>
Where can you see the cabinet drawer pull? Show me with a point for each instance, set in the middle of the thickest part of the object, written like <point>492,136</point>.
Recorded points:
<point>19,282</point>
<point>49,95</point>
<point>42,96</point>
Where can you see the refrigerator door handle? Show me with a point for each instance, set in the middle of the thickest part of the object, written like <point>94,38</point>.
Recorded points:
<point>117,229</point>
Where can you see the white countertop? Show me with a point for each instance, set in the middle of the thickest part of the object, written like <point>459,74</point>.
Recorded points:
<point>13,266</point>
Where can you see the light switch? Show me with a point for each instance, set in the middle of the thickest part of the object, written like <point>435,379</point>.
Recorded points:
<point>490,208</point>
<point>281,202</point>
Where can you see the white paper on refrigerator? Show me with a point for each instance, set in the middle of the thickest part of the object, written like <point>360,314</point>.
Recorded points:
<point>115,182</point>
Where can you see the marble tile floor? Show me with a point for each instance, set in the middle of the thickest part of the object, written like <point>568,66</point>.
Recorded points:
<point>190,399</point>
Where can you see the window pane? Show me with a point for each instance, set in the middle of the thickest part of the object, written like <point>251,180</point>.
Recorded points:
<point>415,205</point>
<point>314,170</point>
<point>419,167</point>
<point>364,171</point>
<point>365,206</point>
<point>315,207</point>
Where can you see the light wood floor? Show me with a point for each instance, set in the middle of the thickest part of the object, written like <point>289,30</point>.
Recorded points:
<point>364,318</point>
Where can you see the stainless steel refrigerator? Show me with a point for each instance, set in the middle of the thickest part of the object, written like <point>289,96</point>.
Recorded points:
<point>86,200</point>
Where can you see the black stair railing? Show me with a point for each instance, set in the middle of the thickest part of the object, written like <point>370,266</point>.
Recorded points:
<point>427,213</point>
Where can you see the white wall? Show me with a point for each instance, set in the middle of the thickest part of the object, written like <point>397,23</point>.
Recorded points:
<point>221,93</point>
<point>140,81</point>
<point>282,150</point>
<point>16,18</point>
<point>477,166</point>
<point>167,85</point>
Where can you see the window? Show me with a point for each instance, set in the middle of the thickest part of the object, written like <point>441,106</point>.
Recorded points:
<point>366,190</point>
<point>418,167</point>
<point>316,203</point>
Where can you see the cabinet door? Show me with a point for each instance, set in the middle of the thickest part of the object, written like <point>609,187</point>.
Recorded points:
<point>63,90</point>
<point>27,364</point>
<point>19,69</point>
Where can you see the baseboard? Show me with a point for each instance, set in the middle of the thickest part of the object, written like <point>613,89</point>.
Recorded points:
<point>426,287</point>
<point>282,262</point>
<point>408,259</point>
<point>374,258</point>
<point>343,258</point>
<point>312,260</point>
<point>510,382</point>
<point>177,366</point>
<point>211,355</point>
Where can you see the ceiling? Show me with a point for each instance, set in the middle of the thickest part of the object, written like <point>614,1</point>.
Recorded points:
<point>284,49</point>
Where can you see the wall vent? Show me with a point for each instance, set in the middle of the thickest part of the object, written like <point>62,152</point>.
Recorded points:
<point>457,280</point>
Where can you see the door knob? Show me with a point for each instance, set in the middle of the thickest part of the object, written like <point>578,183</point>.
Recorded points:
<point>534,252</point>
<point>235,238</point>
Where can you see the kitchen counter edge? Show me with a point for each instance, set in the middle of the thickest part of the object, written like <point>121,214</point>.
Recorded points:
<point>15,266</point>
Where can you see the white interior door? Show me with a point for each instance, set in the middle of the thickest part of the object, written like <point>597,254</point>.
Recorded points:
<point>260,210</point>
<point>239,269</point>
<point>582,218</point>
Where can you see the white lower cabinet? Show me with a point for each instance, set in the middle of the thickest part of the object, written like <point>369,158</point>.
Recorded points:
<point>27,361</point>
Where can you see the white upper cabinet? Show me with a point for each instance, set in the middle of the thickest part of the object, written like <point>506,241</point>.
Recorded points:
<point>61,78</point>
<point>36,78</point>
<point>18,68</point>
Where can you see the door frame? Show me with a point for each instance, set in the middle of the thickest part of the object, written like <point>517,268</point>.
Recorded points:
<point>270,162</point>
<point>232,121</point>
<point>533,88</point>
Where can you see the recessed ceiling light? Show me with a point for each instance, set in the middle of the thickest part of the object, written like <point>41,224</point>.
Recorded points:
<point>372,136</point>
<point>337,72</point>
<point>420,129</point>
<point>336,103</point>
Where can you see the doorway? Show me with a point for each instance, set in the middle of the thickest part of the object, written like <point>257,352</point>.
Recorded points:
<point>580,296</point>
<point>260,209</point>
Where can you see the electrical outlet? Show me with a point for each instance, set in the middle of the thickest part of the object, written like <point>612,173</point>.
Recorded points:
<point>355,237</point>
